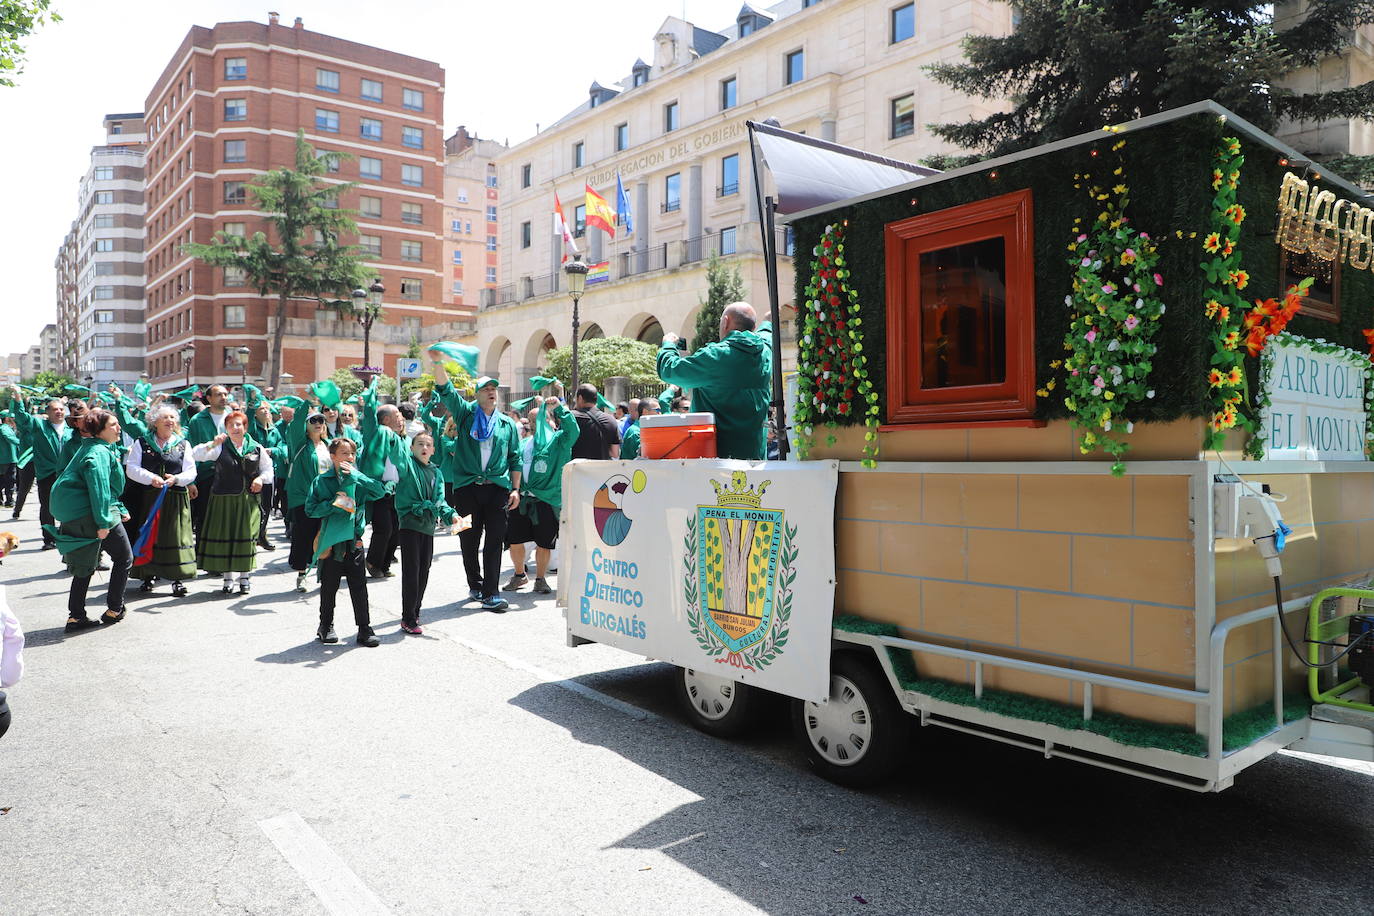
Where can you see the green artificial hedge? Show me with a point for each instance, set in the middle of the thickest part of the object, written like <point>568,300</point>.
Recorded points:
<point>1168,168</point>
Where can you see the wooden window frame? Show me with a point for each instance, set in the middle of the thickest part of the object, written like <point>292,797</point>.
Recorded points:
<point>1008,216</point>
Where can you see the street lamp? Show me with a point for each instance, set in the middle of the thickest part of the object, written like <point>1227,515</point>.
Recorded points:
<point>367,306</point>
<point>285,380</point>
<point>243,353</point>
<point>188,356</point>
<point>576,269</point>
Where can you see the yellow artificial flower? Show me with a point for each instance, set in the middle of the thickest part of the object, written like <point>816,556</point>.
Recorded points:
<point>1212,243</point>
<point>1108,395</point>
<point>1212,307</point>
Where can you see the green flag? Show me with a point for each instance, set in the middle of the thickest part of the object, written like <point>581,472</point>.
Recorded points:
<point>603,403</point>
<point>76,389</point>
<point>186,393</point>
<point>522,405</point>
<point>464,355</point>
<point>540,382</point>
<point>143,390</point>
<point>327,392</point>
<point>253,394</point>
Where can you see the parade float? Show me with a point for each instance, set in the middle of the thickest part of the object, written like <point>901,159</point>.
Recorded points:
<point>1070,423</point>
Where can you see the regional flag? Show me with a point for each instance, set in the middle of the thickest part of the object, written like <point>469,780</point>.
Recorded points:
<point>147,535</point>
<point>599,213</point>
<point>561,228</point>
<point>622,206</point>
<point>598,273</point>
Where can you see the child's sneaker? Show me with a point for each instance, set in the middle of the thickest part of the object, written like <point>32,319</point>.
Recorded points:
<point>412,629</point>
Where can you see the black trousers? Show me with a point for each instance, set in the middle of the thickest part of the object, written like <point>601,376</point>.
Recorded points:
<point>24,484</point>
<point>486,503</point>
<point>265,501</point>
<point>417,554</point>
<point>303,531</point>
<point>349,567</point>
<point>381,550</point>
<point>116,544</point>
<point>8,475</point>
<point>44,513</point>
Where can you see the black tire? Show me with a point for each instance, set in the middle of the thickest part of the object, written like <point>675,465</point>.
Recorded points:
<point>717,706</point>
<point>870,753</point>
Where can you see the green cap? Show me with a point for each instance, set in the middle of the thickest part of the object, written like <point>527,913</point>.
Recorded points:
<point>484,381</point>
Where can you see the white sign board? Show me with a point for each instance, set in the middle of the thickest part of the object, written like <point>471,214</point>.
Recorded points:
<point>407,368</point>
<point>726,567</point>
<point>1316,406</point>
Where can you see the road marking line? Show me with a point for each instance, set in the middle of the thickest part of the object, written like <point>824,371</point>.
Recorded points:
<point>548,677</point>
<point>340,890</point>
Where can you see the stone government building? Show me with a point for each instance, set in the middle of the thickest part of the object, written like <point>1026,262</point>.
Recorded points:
<point>849,71</point>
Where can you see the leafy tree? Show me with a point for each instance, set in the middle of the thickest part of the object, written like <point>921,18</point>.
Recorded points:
<point>304,259</point>
<point>52,383</point>
<point>349,384</point>
<point>724,285</point>
<point>460,377</point>
<point>19,19</point>
<point>1072,66</point>
<point>605,357</point>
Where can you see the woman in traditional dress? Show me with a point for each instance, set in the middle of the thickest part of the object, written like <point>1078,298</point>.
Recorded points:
<point>228,537</point>
<point>161,459</point>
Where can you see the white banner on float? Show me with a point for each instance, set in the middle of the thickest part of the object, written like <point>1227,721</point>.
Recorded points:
<point>1316,408</point>
<point>726,567</point>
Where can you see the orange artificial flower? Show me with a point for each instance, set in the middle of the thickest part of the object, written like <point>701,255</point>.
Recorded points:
<point>1212,243</point>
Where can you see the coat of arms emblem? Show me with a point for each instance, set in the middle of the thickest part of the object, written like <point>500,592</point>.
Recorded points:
<point>738,574</point>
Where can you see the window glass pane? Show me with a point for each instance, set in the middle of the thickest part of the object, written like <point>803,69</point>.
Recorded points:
<point>412,213</point>
<point>670,117</point>
<point>903,22</point>
<point>326,120</point>
<point>235,109</point>
<point>412,175</point>
<point>371,90</point>
<point>622,136</point>
<point>369,167</point>
<point>525,175</point>
<point>327,80</point>
<point>412,137</point>
<point>729,174</point>
<point>727,240</point>
<point>904,116</point>
<point>672,191</point>
<point>729,93</point>
<point>235,150</point>
<point>964,315</point>
<point>370,128</point>
<point>413,99</point>
<point>796,69</point>
<point>370,206</point>
<point>235,68</point>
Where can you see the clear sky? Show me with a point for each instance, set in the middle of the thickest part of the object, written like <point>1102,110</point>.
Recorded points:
<point>510,65</point>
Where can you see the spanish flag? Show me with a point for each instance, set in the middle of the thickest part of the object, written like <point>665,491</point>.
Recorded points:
<point>599,213</point>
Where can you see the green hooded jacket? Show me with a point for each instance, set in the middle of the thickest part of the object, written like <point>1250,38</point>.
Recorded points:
<point>304,467</point>
<point>380,444</point>
<point>420,500</point>
<point>90,486</point>
<point>629,442</point>
<point>339,526</point>
<point>9,445</point>
<point>467,455</point>
<point>732,379</point>
<point>45,441</point>
<point>552,449</point>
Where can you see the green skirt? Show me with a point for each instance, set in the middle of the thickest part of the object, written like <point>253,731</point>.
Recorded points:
<point>174,553</point>
<point>229,534</point>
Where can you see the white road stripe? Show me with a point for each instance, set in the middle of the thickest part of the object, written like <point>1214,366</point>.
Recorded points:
<point>548,677</point>
<point>339,889</point>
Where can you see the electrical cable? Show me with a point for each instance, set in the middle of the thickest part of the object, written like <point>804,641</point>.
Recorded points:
<point>1276,497</point>
<point>1283,625</point>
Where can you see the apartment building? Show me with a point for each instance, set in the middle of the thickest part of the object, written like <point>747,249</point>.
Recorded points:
<point>849,71</point>
<point>227,109</point>
<point>472,198</point>
<point>66,267</point>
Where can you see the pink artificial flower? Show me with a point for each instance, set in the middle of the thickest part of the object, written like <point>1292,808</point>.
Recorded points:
<point>1085,262</point>
<point>1099,383</point>
<point>1091,335</point>
<point>1159,280</point>
<point>1131,322</point>
<point>1108,288</point>
<point>1082,238</point>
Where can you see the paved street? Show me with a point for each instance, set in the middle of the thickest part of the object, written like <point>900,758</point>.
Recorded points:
<point>206,755</point>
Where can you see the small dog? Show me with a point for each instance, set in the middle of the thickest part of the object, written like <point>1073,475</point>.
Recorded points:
<point>9,543</point>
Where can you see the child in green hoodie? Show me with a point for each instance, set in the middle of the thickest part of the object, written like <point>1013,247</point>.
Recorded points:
<point>420,504</point>
<point>338,498</point>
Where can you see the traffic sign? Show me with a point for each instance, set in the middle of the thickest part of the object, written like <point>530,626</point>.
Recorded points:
<point>407,368</point>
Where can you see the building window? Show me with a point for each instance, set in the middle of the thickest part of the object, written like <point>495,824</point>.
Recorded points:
<point>235,192</point>
<point>369,128</point>
<point>412,137</point>
<point>230,357</point>
<point>525,234</point>
<point>579,155</point>
<point>727,240</point>
<point>235,109</point>
<point>104,364</point>
<point>412,100</point>
<point>491,274</point>
<point>370,244</point>
<point>526,175</point>
<point>467,228</point>
<point>789,241</point>
<point>235,316</point>
<point>746,27</point>
<point>457,256</point>
<point>670,117</point>
<point>235,229</point>
<point>411,324</point>
<point>104,317</point>
<point>235,276</point>
<point>412,175</point>
<point>236,68</point>
<point>794,67</point>
<point>104,244</point>
<point>104,221</point>
<point>904,116</point>
<point>455,225</point>
<point>102,340</point>
<point>640,74</point>
<point>103,173</point>
<point>622,137</point>
<point>369,167</point>
<point>371,90</point>
<point>326,120</point>
<point>462,195</point>
<point>370,207</point>
<point>961,335</point>
<point>729,175</point>
<point>672,192</point>
<point>104,292</point>
<point>491,176</point>
<point>491,213</point>
<point>491,243</point>
<point>580,220</point>
<point>457,287</point>
<point>328,80</point>
<point>329,158</point>
<point>235,150</point>
<point>412,251</point>
<point>413,214</point>
<point>104,268</point>
<point>903,22</point>
<point>411,288</point>
<point>729,93</point>
<point>104,197</point>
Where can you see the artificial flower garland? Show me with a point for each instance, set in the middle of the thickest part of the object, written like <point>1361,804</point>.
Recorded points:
<point>1116,310</point>
<point>1224,306</point>
<point>833,385</point>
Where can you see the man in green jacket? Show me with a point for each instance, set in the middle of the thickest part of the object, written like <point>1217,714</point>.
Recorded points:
<point>9,458</point>
<point>203,427</point>
<point>731,378</point>
<point>385,452</point>
<point>541,493</point>
<point>46,434</point>
<point>629,441</point>
<point>486,479</point>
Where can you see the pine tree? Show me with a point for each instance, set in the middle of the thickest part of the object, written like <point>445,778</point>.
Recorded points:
<point>724,285</point>
<point>1072,66</point>
<point>304,258</point>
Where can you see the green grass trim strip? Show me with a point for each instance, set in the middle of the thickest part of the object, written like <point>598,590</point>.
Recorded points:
<point>1238,730</point>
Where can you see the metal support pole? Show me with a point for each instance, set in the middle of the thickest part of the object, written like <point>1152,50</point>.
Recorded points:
<point>767,206</point>
<point>573,393</point>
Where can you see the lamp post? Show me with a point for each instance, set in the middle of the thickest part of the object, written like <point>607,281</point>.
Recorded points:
<point>243,353</point>
<point>367,307</point>
<point>285,380</point>
<point>188,356</point>
<point>576,269</point>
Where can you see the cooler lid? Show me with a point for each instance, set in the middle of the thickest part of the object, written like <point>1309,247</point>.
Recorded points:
<point>677,419</point>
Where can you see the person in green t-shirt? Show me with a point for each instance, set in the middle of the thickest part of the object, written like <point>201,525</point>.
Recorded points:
<point>629,441</point>
<point>541,492</point>
<point>420,505</point>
